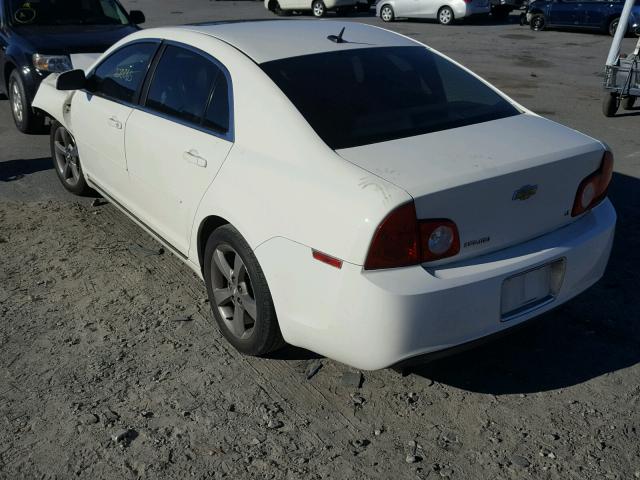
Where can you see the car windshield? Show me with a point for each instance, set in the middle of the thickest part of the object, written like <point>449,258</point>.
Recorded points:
<point>363,96</point>
<point>67,12</point>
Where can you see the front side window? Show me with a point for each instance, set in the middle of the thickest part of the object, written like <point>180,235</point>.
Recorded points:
<point>120,76</point>
<point>363,96</point>
<point>67,12</point>
<point>182,84</point>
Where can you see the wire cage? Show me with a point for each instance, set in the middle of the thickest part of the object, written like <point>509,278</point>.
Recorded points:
<point>623,78</point>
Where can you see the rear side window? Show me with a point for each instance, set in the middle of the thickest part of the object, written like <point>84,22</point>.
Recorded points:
<point>370,95</point>
<point>182,84</point>
<point>119,77</point>
<point>217,115</point>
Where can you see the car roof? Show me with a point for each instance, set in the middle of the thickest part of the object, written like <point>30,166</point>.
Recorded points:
<point>268,40</point>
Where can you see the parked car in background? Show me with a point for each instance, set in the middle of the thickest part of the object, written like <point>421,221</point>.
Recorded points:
<point>387,223</point>
<point>502,8</point>
<point>580,14</point>
<point>318,8</point>
<point>40,37</point>
<point>445,11</point>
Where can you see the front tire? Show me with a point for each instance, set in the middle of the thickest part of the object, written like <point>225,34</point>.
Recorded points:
<point>66,160</point>
<point>387,14</point>
<point>445,16</point>
<point>613,26</point>
<point>239,295</point>
<point>26,120</point>
<point>537,22</point>
<point>610,104</point>
<point>318,9</point>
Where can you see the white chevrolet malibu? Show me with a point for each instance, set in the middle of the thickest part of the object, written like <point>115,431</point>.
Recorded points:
<point>352,192</point>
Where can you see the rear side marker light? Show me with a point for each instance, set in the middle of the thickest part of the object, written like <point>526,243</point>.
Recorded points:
<point>593,189</point>
<point>402,240</point>
<point>328,259</point>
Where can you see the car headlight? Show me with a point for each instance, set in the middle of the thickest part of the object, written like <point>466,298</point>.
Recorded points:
<point>52,63</point>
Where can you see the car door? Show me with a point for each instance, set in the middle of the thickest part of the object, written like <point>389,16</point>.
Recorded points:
<point>426,8</point>
<point>593,13</point>
<point>406,8</point>
<point>178,140</point>
<point>99,115</point>
<point>564,12</point>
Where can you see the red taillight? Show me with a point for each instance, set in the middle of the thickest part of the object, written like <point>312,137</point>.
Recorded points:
<point>468,1</point>
<point>593,189</point>
<point>401,240</point>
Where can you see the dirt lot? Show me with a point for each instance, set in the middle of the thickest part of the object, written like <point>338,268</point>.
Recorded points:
<point>111,366</point>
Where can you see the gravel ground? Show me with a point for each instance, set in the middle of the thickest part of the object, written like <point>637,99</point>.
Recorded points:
<point>111,365</point>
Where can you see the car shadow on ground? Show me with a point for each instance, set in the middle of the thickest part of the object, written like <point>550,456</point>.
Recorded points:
<point>594,334</point>
<point>12,170</point>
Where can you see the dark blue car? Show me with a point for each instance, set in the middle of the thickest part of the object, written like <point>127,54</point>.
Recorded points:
<point>39,37</point>
<point>580,14</point>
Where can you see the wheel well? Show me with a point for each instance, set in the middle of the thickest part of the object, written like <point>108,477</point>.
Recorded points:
<point>612,18</point>
<point>206,228</point>
<point>8,68</point>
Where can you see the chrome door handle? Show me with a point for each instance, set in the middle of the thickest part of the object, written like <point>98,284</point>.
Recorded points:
<point>193,157</point>
<point>115,123</point>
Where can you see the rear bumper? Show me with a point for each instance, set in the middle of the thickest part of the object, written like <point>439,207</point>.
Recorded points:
<point>373,320</point>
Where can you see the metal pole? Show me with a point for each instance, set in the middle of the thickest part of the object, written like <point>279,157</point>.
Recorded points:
<point>623,24</point>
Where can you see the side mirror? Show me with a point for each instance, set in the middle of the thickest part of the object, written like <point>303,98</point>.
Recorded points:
<point>637,30</point>
<point>71,80</point>
<point>137,17</point>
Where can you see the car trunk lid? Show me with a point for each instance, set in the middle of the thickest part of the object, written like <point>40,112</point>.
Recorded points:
<point>502,182</point>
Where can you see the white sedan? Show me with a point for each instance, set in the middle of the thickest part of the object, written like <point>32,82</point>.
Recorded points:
<point>318,8</point>
<point>352,192</point>
<point>445,11</point>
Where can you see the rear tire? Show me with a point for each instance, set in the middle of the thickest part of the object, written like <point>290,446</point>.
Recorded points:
<point>242,303</point>
<point>25,118</point>
<point>280,12</point>
<point>537,22</point>
<point>610,104</point>
<point>387,14</point>
<point>446,16</point>
<point>318,9</point>
<point>66,160</point>
<point>628,102</point>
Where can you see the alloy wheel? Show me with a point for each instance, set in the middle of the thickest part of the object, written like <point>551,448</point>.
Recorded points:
<point>318,9</point>
<point>16,102</point>
<point>66,157</point>
<point>233,291</point>
<point>537,23</point>
<point>445,16</point>
<point>386,13</point>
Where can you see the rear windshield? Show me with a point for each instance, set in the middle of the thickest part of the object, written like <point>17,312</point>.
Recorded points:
<point>66,12</point>
<point>363,96</point>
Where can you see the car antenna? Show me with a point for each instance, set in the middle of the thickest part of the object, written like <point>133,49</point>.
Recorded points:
<point>337,38</point>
